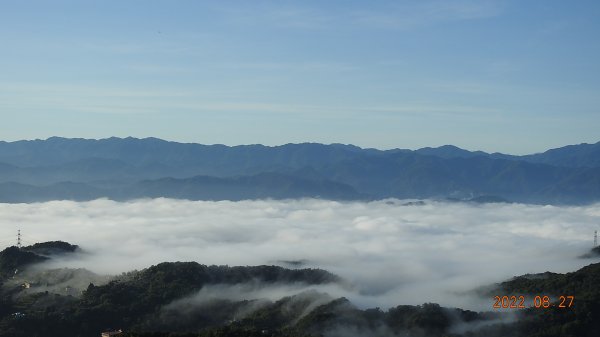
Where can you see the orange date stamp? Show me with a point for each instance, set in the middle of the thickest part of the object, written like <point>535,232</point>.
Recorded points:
<point>539,301</point>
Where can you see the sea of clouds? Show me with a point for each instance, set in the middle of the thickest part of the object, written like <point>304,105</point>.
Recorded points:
<point>388,253</point>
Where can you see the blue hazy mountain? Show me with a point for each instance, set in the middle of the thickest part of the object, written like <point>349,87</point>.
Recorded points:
<point>261,186</point>
<point>126,168</point>
<point>450,151</point>
<point>582,155</point>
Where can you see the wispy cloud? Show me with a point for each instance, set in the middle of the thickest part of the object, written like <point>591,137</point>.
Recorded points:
<point>389,15</point>
<point>277,14</point>
<point>290,66</point>
<point>116,48</point>
<point>127,100</point>
<point>156,69</point>
<point>461,86</point>
<point>427,13</point>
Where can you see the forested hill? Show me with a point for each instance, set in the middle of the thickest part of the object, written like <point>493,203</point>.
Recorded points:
<point>574,306</point>
<point>190,299</point>
<point>129,168</point>
<point>14,258</point>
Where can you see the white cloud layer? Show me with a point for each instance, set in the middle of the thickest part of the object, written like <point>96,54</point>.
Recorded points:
<point>390,254</point>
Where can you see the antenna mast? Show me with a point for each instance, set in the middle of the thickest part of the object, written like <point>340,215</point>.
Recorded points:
<point>19,239</point>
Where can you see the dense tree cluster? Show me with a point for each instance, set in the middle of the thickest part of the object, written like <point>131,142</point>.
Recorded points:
<point>581,319</point>
<point>159,302</point>
<point>13,258</point>
<point>51,248</point>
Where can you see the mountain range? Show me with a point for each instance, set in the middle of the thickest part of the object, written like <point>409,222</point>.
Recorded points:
<point>130,168</point>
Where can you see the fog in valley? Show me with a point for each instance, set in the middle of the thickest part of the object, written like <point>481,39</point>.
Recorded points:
<point>388,252</point>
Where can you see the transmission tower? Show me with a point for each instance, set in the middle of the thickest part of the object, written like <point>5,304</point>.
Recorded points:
<point>19,239</point>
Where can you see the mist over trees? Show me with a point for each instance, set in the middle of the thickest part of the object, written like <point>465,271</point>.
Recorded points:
<point>165,297</point>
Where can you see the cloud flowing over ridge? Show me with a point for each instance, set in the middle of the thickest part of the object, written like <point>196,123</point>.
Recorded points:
<point>390,254</point>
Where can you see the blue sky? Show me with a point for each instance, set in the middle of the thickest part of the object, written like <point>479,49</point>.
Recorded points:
<point>510,76</point>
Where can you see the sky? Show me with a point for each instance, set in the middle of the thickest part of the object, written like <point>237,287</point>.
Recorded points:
<point>495,75</point>
<point>387,254</point>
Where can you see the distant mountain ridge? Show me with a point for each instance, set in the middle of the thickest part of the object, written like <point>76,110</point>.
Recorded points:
<point>127,168</point>
<point>582,155</point>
